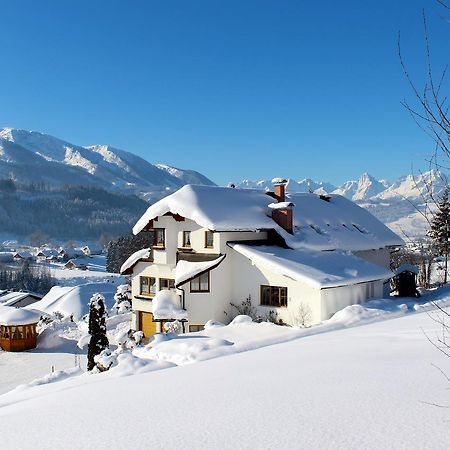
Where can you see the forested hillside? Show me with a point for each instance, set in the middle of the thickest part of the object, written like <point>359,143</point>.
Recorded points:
<point>66,212</point>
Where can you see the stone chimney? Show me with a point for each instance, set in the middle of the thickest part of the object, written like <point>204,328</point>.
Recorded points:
<point>282,211</point>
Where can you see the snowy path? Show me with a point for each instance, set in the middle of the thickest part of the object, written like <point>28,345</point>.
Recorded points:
<point>355,388</point>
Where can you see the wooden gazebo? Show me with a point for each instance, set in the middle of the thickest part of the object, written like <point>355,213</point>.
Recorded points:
<point>18,328</point>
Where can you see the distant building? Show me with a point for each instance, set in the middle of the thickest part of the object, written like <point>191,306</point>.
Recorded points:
<point>22,256</point>
<point>19,299</point>
<point>74,264</point>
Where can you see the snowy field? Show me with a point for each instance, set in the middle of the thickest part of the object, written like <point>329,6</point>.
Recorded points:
<point>364,379</point>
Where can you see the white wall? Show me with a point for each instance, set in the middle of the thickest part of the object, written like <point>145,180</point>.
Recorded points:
<point>335,299</point>
<point>247,279</point>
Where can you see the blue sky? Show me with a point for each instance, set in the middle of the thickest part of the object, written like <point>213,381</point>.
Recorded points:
<point>234,89</point>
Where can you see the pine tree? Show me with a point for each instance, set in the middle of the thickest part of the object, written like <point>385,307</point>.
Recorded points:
<point>97,328</point>
<point>440,229</point>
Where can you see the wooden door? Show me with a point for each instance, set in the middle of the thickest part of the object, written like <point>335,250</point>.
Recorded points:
<point>146,324</point>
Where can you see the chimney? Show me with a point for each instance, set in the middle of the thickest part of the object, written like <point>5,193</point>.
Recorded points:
<point>279,188</point>
<point>282,211</point>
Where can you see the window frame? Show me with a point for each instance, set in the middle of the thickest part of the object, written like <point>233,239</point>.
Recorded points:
<point>149,294</point>
<point>183,242</point>
<point>272,290</point>
<point>169,280</point>
<point>159,245</point>
<point>209,233</point>
<point>199,290</point>
<point>201,328</point>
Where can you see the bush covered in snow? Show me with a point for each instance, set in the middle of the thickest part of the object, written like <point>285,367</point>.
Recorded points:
<point>97,329</point>
<point>246,308</point>
<point>122,299</point>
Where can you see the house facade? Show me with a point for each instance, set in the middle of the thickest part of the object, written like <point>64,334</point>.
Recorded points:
<point>291,255</point>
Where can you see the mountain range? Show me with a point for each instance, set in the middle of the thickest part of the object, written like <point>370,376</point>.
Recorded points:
<point>365,188</point>
<point>33,157</point>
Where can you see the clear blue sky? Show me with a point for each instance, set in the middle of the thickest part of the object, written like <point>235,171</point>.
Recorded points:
<point>235,89</point>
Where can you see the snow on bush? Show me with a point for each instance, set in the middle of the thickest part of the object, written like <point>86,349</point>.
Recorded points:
<point>122,299</point>
<point>105,359</point>
<point>166,306</point>
<point>241,319</point>
<point>213,324</point>
<point>173,327</point>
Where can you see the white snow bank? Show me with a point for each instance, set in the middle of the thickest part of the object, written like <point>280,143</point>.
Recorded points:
<point>166,306</point>
<point>74,300</point>
<point>18,316</point>
<point>134,258</point>
<point>388,364</point>
<point>316,268</point>
<point>354,314</point>
<point>186,270</point>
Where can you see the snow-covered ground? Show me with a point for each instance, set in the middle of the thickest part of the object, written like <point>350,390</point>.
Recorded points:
<point>363,379</point>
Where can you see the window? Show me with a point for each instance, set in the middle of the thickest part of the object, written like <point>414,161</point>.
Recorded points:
<point>159,239</point>
<point>166,283</point>
<point>148,286</point>
<point>273,296</point>
<point>209,239</point>
<point>186,238</point>
<point>194,328</point>
<point>201,283</point>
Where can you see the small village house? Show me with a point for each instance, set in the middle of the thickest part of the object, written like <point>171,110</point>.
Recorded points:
<point>19,299</point>
<point>287,254</point>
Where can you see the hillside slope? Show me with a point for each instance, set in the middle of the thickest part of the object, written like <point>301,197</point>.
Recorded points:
<point>363,387</point>
<point>30,156</point>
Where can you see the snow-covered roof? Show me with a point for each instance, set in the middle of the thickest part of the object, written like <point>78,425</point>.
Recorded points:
<point>336,223</point>
<point>12,298</point>
<point>47,252</point>
<point>407,268</point>
<point>215,208</point>
<point>10,316</point>
<point>316,268</point>
<point>166,306</point>
<point>187,270</point>
<point>23,254</point>
<point>74,300</point>
<point>134,258</point>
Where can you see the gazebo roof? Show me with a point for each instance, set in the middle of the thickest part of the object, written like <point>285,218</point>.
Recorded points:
<point>10,316</point>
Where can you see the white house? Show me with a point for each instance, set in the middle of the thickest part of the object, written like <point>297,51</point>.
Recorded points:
<point>289,253</point>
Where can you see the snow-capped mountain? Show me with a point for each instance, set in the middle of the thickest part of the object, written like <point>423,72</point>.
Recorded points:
<point>363,188</point>
<point>305,185</point>
<point>30,156</point>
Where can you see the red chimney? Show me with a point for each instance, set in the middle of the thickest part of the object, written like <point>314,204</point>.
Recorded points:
<point>282,211</point>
